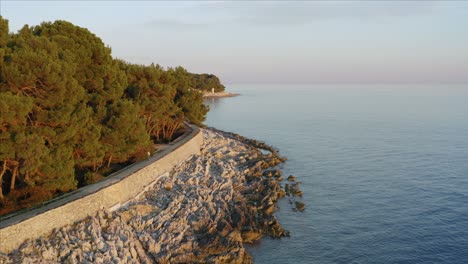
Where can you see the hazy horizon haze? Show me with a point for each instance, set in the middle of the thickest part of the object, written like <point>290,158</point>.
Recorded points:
<point>276,42</point>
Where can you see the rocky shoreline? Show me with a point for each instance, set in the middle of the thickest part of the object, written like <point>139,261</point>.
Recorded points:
<point>218,94</point>
<point>203,211</point>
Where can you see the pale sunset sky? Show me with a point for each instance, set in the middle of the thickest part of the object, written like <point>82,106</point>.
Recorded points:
<point>276,41</point>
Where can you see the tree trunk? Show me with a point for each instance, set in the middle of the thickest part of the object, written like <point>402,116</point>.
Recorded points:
<point>109,161</point>
<point>4,168</point>
<point>174,129</point>
<point>13,178</point>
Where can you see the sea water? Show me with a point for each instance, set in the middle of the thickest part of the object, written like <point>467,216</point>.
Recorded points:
<point>384,169</point>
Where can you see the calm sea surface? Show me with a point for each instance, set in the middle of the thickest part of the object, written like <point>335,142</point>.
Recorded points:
<point>384,169</point>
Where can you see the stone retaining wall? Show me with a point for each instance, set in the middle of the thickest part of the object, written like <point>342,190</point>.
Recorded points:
<point>110,193</point>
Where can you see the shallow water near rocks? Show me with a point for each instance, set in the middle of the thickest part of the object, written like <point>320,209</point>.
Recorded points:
<point>384,169</point>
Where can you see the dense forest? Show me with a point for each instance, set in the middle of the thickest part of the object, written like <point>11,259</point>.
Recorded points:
<point>70,114</point>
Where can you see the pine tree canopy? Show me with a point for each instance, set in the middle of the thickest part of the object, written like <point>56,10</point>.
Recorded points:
<point>70,113</point>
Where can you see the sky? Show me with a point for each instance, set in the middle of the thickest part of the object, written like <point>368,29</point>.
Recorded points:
<point>276,41</point>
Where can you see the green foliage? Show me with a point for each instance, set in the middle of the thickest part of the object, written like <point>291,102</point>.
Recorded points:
<point>70,113</point>
<point>206,82</point>
<point>3,32</point>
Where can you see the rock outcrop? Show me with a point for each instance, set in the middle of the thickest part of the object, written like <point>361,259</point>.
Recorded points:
<point>202,212</point>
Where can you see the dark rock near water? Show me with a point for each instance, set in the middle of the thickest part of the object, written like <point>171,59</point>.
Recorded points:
<point>272,173</point>
<point>291,178</point>
<point>300,206</point>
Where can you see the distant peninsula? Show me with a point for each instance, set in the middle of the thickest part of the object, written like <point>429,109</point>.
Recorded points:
<point>218,94</point>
